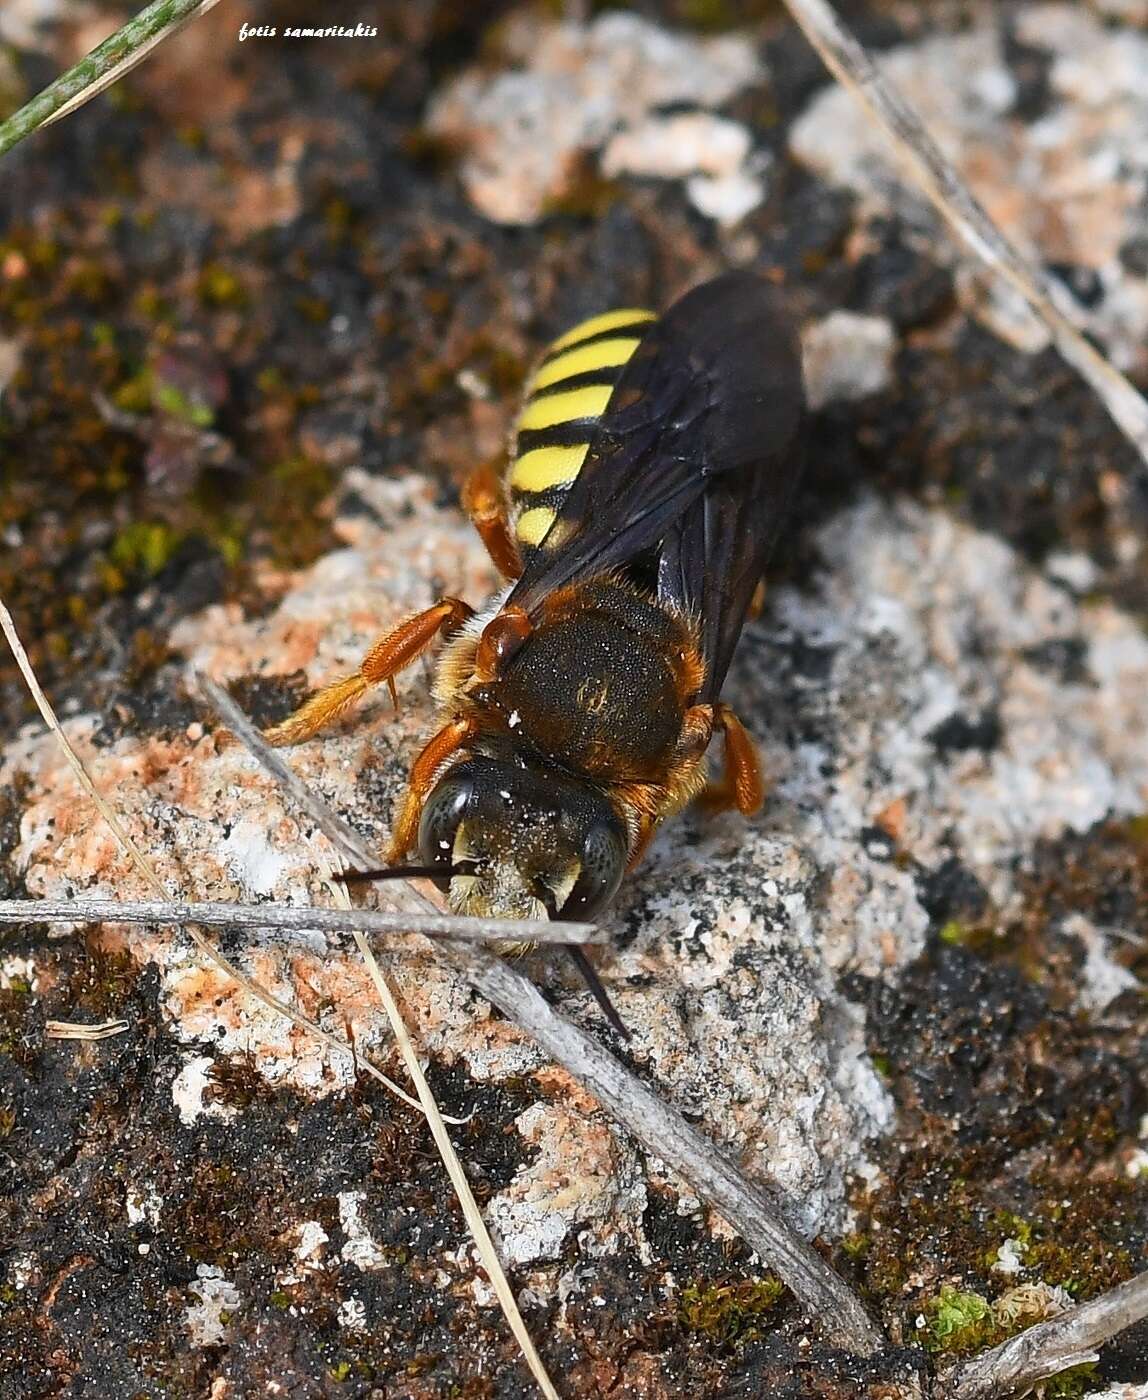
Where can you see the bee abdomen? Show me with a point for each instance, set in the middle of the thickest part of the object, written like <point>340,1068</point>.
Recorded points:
<point>565,397</point>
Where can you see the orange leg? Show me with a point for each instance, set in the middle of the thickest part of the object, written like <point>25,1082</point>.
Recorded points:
<point>741,784</point>
<point>651,804</point>
<point>452,737</point>
<point>483,501</point>
<point>382,663</point>
<point>647,827</point>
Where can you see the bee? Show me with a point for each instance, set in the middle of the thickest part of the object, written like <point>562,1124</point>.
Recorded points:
<point>654,462</point>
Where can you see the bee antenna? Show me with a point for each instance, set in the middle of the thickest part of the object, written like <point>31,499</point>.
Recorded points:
<point>586,968</point>
<point>393,872</point>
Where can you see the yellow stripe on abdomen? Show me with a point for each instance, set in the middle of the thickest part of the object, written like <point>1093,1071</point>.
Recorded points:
<point>533,525</point>
<point>568,393</point>
<point>565,407</point>
<point>544,467</point>
<point>600,354</point>
<point>596,325</point>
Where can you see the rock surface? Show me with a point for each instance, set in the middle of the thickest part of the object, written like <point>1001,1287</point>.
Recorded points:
<point>257,339</point>
<point>1057,154</point>
<point>582,88</point>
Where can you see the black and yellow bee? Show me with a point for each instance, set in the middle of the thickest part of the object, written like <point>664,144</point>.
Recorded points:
<point>655,460</point>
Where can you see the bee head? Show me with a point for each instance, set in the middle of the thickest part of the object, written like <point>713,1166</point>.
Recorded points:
<point>517,842</point>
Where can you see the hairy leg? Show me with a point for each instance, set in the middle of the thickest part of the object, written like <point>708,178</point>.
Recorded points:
<point>484,501</point>
<point>424,770</point>
<point>741,784</point>
<point>382,663</point>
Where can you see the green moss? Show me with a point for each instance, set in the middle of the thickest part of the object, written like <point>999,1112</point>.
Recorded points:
<point>856,1245</point>
<point>978,938</point>
<point>1012,1227</point>
<point>144,547</point>
<point>959,1323</point>
<point>135,394</point>
<point>711,16</point>
<point>1074,1383</point>
<point>220,287</point>
<point>176,404</point>
<point>729,1313</point>
<point>1083,1266</point>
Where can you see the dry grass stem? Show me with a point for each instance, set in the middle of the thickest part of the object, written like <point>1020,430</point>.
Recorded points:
<point>83,1030</point>
<point>857,73</point>
<point>477,1226</point>
<point>106,64</point>
<point>289,917</point>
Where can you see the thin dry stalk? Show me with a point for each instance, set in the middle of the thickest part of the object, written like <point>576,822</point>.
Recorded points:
<point>294,917</point>
<point>129,847</point>
<point>857,73</point>
<point>660,1129</point>
<point>481,1235</point>
<point>1050,1347</point>
<point>83,1030</point>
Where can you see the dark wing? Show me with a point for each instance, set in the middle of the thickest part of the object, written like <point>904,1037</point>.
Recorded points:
<point>695,458</point>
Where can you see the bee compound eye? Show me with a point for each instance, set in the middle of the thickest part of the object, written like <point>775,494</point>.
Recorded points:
<point>442,813</point>
<point>603,865</point>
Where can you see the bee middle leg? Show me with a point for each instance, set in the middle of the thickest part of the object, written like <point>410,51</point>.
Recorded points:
<point>382,663</point>
<point>484,501</point>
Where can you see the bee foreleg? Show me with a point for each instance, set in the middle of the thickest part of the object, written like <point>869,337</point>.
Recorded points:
<point>424,771</point>
<point>741,784</point>
<point>484,501</point>
<point>382,663</point>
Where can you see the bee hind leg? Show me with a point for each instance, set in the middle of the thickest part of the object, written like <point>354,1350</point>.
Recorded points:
<point>382,663</point>
<point>741,784</point>
<point>484,501</point>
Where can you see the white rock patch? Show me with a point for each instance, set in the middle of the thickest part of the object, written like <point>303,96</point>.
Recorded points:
<point>581,88</point>
<point>846,356</point>
<point>360,1249</point>
<point>217,1296</point>
<point>1069,188</point>
<point>187,1091</point>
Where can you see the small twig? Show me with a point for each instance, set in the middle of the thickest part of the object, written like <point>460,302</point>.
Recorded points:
<point>83,1030</point>
<point>220,914</point>
<point>1050,1347</point>
<point>857,73</point>
<point>477,1225</point>
<point>660,1129</point>
<point>339,832</point>
<point>106,64</point>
